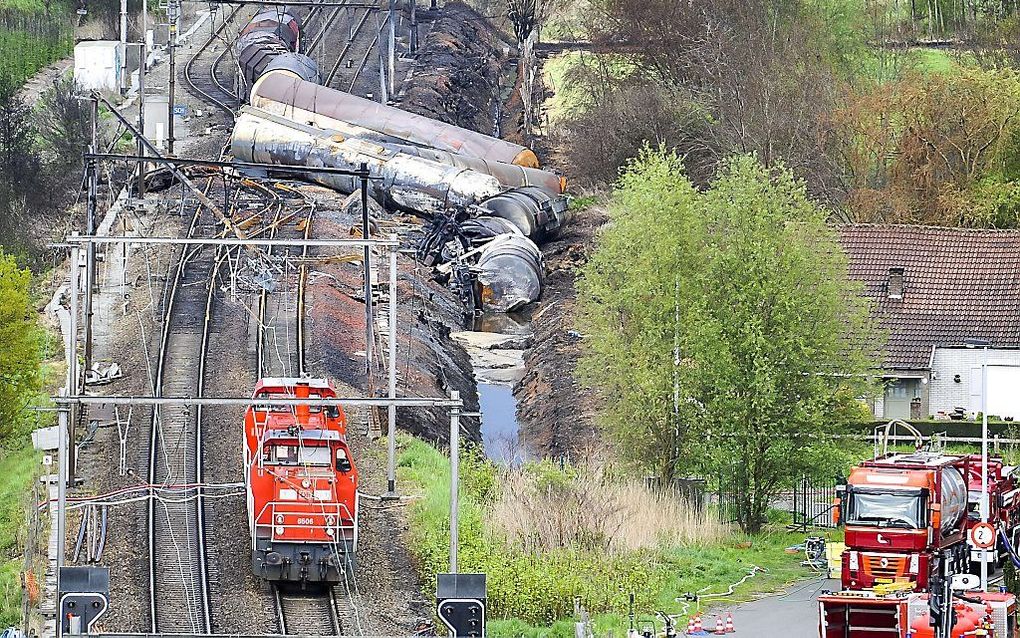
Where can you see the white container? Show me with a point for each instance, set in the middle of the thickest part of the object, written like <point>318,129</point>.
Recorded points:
<point>98,65</point>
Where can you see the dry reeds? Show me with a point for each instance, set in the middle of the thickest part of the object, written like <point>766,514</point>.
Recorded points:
<point>541,508</point>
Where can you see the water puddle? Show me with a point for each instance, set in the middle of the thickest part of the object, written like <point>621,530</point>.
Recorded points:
<point>496,345</point>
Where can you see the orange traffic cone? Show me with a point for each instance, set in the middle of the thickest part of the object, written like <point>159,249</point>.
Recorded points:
<point>729,623</point>
<point>690,626</point>
<point>698,629</point>
<point>719,629</point>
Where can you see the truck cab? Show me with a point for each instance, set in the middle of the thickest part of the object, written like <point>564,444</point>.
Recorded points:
<point>899,510</point>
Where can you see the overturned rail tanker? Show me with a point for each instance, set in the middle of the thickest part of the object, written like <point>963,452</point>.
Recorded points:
<point>501,200</point>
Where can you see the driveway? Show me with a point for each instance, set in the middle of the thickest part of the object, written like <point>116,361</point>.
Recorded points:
<point>792,614</point>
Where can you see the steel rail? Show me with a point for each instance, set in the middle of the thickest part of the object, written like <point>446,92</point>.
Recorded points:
<point>347,47</point>
<point>156,426</point>
<point>188,68</point>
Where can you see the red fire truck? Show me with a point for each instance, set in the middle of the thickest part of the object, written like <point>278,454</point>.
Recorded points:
<point>902,509</point>
<point>906,615</point>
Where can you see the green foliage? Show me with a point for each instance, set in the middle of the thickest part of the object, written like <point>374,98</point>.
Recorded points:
<point>18,468</point>
<point>30,41</point>
<point>727,331</point>
<point>21,348</point>
<point>533,594</point>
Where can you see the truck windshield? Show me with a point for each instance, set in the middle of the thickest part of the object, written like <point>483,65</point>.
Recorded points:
<point>886,509</point>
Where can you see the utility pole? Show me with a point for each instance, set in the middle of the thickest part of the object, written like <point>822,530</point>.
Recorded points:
<point>391,443</point>
<point>72,364</point>
<point>412,45</point>
<point>141,95</point>
<point>173,14</point>
<point>123,22</point>
<point>383,97</point>
<point>90,230</point>
<point>454,478</point>
<point>392,17</point>
<point>366,233</point>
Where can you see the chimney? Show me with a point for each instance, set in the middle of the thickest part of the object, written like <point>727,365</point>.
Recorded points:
<point>894,286</point>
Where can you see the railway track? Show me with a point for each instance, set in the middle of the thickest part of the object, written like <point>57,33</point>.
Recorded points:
<point>280,347</point>
<point>308,613</point>
<point>178,594</point>
<point>202,76</point>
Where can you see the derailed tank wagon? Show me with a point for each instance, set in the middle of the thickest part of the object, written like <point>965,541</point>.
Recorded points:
<point>302,485</point>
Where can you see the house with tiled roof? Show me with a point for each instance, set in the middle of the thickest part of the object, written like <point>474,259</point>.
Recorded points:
<point>949,302</point>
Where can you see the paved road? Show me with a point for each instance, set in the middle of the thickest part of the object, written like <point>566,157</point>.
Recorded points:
<point>793,614</point>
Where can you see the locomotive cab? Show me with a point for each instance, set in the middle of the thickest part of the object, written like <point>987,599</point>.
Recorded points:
<point>302,495</point>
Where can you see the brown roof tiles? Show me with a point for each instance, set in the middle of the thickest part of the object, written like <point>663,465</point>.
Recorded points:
<point>957,284</point>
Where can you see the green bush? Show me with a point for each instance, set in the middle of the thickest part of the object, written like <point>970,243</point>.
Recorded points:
<point>533,594</point>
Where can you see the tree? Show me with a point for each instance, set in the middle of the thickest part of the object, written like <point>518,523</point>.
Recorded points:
<point>722,327</point>
<point>20,347</point>
<point>630,294</point>
<point>787,344</point>
<point>935,149</point>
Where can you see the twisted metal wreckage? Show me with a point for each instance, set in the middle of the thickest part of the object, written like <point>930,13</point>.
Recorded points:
<point>486,199</point>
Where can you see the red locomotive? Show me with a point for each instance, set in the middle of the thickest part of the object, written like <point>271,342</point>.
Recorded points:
<point>302,485</point>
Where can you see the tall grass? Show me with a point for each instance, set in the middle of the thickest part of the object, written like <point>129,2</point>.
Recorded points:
<point>542,508</point>
<point>527,529</point>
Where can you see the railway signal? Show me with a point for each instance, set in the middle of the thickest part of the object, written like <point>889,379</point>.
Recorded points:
<point>460,604</point>
<point>84,598</point>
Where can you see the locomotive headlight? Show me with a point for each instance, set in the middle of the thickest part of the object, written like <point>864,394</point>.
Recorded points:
<point>288,495</point>
<point>329,531</point>
<point>323,495</point>
<point>279,530</point>
<point>279,518</point>
<point>330,520</point>
<point>306,483</point>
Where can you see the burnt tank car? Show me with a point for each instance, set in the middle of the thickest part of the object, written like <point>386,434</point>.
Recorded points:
<point>271,41</point>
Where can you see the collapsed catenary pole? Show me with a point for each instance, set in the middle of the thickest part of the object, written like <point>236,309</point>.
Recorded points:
<point>454,477</point>
<point>141,94</point>
<point>208,203</point>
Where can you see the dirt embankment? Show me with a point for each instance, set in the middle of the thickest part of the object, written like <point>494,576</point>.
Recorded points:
<point>458,74</point>
<point>555,411</point>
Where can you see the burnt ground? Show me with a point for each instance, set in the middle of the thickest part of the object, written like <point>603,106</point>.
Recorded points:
<point>557,414</point>
<point>459,75</point>
<point>555,411</point>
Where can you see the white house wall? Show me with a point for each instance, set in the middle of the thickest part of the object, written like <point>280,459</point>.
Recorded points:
<point>945,394</point>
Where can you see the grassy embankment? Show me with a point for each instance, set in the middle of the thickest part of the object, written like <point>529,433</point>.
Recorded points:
<point>32,35</point>
<point>658,553</point>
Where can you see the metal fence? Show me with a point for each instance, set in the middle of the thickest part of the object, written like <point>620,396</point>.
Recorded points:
<point>814,502</point>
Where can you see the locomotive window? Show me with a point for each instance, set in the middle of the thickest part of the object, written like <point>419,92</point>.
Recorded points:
<point>282,454</point>
<point>314,455</point>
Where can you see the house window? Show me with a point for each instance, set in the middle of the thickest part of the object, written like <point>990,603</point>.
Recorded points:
<point>895,284</point>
